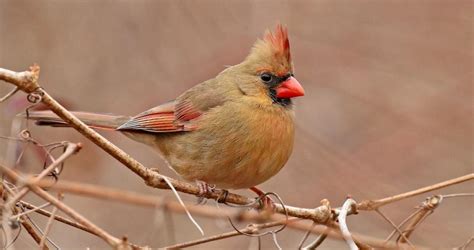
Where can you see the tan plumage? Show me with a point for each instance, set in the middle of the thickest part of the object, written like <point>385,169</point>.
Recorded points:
<point>235,130</point>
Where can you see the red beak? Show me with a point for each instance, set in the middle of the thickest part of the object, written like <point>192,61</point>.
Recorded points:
<point>289,89</point>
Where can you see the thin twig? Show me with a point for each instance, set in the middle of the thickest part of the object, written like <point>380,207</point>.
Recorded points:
<point>428,207</point>
<point>275,241</point>
<point>31,231</point>
<point>114,242</point>
<point>305,236</point>
<point>12,92</point>
<point>25,222</point>
<point>57,217</point>
<point>71,148</point>
<point>465,245</point>
<point>49,224</point>
<point>336,234</point>
<point>318,241</point>
<point>348,205</point>
<point>402,223</point>
<point>373,204</point>
<point>181,202</point>
<point>456,195</point>
<point>396,228</point>
<point>41,232</point>
<point>250,229</point>
<point>29,211</point>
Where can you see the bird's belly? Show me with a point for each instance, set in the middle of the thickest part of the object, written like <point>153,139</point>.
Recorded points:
<point>230,155</point>
<point>231,164</point>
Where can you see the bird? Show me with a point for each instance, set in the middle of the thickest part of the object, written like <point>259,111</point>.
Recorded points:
<point>234,131</point>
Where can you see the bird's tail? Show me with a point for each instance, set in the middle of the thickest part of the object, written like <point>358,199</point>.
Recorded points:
<point>94,120</point>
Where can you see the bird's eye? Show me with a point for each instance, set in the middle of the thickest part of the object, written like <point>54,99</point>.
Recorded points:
<point>266,77</point>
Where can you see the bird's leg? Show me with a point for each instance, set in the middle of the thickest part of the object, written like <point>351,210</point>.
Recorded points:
<point>267,202</point>
<point>204,190</point>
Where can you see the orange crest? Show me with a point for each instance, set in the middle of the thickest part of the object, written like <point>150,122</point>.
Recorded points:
<point>279,41</point>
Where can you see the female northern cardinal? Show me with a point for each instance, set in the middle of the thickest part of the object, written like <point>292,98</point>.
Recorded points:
<point>234,131</point>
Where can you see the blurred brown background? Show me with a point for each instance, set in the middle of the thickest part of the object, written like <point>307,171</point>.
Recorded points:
<point>389,104</point>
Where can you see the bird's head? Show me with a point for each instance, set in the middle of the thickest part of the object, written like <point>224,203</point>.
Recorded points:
<point>267,71</point>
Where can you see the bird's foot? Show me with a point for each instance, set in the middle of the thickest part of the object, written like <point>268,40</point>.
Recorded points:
<point>266,201</point>
<point>204,190</point>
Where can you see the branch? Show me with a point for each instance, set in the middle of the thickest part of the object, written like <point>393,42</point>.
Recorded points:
<point>428,207</point>
<point>336,234</point>
<point>31,231</point>
<point>465,245</point>
<point>370,205</point>
<point>396,228</point>
<point>112,241</point>
<point>24,220</point>
<point>57,217</point>
<point>318,241</point>
<point>107,193</point>
<point>49,224</point>
<point>27,81</point>
<point>249,229</point>
<point>349,204</point>
<point>71,148</point>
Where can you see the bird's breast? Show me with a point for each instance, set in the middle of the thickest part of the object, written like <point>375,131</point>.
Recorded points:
<point>235,146</point>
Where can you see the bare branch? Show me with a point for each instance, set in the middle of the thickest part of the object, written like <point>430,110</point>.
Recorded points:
<point>27,81</point>
<point>49,224</point>
<point>107,193</point>
<point>428,207</point>
<point>24,220</point>
<point>29,211</point>
<point>465,244</point>
<point>397,229</point>
<point>56,217</point>
<point>250,229</point>
<point>318,241</point>
<point>71,148</point>
<point>401,224</point>
<point>369,205</point>
<point>31,231</point>
<point>336,234</point>
<point>114,242</point>
<point>456,195</point>
<point>348,205</point>
<point>305,236</point>
<point>9,94</point>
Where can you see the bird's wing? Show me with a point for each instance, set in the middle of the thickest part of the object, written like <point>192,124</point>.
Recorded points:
<point>178,115</point>
<point>173,116</point>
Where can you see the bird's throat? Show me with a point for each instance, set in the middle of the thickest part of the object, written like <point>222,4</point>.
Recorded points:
<point>285,102</point>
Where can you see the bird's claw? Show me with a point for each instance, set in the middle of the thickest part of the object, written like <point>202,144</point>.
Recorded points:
<point>204,190</point>
<point>266,202</point>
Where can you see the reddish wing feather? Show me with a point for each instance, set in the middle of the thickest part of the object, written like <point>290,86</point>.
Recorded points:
<point>169,117</point>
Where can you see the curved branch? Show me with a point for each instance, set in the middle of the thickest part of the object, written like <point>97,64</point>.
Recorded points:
<point>349,204</point>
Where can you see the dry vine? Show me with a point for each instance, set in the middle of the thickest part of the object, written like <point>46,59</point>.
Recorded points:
<point>327,222</point>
